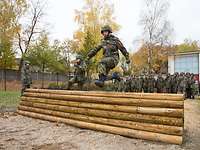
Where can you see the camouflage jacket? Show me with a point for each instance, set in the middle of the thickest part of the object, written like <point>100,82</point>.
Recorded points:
<point>26,76</point>
<point>79,71</point>
<point>160,83</point>
<point>111,46</point>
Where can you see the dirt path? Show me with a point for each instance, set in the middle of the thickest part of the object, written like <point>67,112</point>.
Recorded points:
<point>22,133</point>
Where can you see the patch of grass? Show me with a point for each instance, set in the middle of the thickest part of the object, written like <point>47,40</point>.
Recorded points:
<point>9,99</point>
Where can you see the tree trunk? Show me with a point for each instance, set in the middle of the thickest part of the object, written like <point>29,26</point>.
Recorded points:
<point>20,68</point>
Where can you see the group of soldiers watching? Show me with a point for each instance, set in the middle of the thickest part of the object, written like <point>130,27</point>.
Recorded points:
<point>178,83</point>
<point>183,83</point>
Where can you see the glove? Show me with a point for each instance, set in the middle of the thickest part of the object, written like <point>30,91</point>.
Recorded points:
<point>128,61</point>
<point>87,59</point>
<point>76,65</point>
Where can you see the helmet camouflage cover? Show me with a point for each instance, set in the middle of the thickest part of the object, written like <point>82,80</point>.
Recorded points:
<point>26,62</point>
<point>106,28</point>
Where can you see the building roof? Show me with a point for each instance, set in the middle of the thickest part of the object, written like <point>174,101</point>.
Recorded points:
<point>185,53</point>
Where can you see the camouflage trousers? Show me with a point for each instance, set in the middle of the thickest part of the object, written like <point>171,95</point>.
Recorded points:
<point>181,89</point>
<point>106,64</point>
<point>76,80</point>
<point>24,87</point>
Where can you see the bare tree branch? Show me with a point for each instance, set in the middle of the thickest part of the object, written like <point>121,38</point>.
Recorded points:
<point>28,32</point>
<point>156,27</point>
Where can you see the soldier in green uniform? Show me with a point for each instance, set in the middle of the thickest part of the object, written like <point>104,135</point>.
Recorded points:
<point>141,82</point>
<point>175,82</point>
<point>122,87</point>
<point>188,86</point>
<point>145,83</point>
<point>181,83</point>
<point>111,46</point>
<point>133,84</point>
<point>151,84</point>
<point>194,86</point>
<point>168,83</point>
<point>25,76</point>
<point>160,84</point>
<point>79,73</point>
<point>116,82</point>
<point>127,85</point>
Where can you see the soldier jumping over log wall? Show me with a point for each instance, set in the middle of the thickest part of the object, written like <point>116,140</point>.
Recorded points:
<point>111,46</point>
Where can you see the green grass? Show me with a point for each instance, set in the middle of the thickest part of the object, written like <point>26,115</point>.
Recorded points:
<point>9,99</point>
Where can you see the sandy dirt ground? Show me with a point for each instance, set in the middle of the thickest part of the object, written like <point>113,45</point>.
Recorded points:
<point>22,133</point>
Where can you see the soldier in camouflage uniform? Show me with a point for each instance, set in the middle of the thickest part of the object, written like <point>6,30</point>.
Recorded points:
<point>128,84</point>
<point>25,76</point>
<point>188,86</point>
<point>194,86</point>
<point>168,83</point>
<point>79,73</point>
<point>111,46</point>
<point>133,84</point>
<point>176,82</point>
<point>160,84</point>
<point>139,83</point>
<point>116,82</point>
<point>182,83</point>
<point>145,83</point>
<point>121,85</point>
<point>151,84</point>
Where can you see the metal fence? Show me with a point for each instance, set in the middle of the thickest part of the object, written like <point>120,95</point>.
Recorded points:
<point>14,75</point>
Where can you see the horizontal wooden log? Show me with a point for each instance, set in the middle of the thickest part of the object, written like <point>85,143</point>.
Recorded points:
<point>110,129</point>
<point>110,114</point>
<point>155,96</point>
<point>109,100</point>
<point>130,109</point>
<point>172,130</point>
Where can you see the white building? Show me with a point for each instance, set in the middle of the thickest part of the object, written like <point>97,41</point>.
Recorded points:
<point>185,62</point>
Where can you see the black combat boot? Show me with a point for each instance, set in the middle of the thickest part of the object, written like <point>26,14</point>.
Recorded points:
<point>102,79</point>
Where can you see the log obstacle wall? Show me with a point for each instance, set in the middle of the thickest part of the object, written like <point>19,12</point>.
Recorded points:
<point>156,117</point>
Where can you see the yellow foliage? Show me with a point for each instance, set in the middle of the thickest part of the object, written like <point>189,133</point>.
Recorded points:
<point>188,46</point>
<point>10,11</point>
<point>159,58</point>
<point>94,15</point>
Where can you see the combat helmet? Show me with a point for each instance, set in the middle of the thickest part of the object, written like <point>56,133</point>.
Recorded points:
<point>106,28</point>
<point>26,62</point>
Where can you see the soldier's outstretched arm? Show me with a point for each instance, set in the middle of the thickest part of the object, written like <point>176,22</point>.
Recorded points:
<point>82,67</point>
<point>94,51</point>
<point>123,50</point>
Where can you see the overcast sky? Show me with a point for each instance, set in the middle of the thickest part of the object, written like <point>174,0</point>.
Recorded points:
<point>184,16</point>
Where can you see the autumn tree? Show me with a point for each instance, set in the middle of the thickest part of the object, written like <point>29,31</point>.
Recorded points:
<point>7,57</point>
<point>156,27</point>
<point>90,19</point>
<point>159,59</point>
<point>10,11</point>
